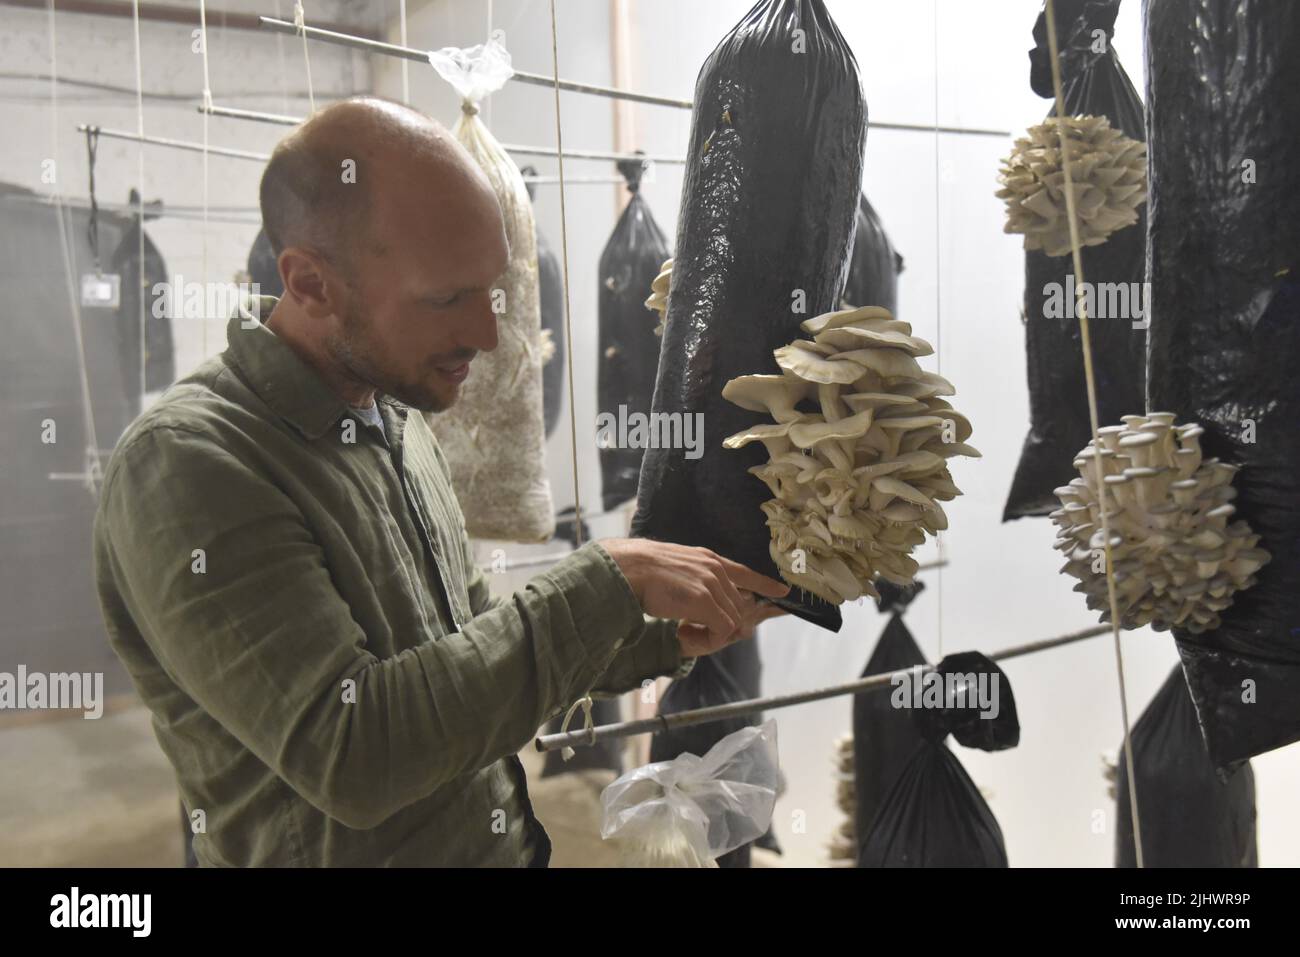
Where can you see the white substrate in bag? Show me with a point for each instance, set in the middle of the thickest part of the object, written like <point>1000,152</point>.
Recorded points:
<point>691,810</point>
<point>494,436</point>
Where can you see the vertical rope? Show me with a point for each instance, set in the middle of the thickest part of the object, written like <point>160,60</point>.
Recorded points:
<point>91,456</point>
<point>938,312</point>
<point>406,74</point>
<point>300,21</point>
<point>279,52</point>
<point>207,105</point>
<point>1086,341</point>
<point>139,128</point>
<point>564,255</point>
<point>487,111</point>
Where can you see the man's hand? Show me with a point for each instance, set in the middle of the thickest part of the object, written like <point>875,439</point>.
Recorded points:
<point>718,601</point>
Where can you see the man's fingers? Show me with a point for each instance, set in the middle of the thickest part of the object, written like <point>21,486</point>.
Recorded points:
<point>728,597</point>
<point>703,607</point>
<point>750,580</point>
<point>694,639</point>
<point>767,610</point>
<point>697,641</point>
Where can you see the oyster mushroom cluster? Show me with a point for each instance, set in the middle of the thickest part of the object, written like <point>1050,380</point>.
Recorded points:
<point>658,300</point>
<point>1108,171</point>
<point>1177,558</point>
<point>857,451</point>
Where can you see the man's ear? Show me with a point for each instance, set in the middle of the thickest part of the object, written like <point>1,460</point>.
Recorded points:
<point>312,282</point>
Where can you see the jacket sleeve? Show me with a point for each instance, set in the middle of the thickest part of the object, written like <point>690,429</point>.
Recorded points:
<point>656,653</point>
<point>264,643</point>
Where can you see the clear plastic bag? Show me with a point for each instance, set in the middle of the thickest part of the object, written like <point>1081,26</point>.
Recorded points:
<point>689,811</point>
<point>474,72</point>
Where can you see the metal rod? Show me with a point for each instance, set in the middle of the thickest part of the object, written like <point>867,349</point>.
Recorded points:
<point>422,56</point>
<point>259,116</point>
<point>162,12</point>
<point>280,119</point>
<point>175,144</point>
<point>553,180</point>
<point>558,556</point>
<point>231,214</point>
<point>262,157</point>
<point>592,154</point>
<point>739,709</point>
<point>539,79</point>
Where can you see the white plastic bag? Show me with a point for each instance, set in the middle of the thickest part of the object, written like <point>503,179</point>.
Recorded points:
<point>494,436</point>
<point>475,71</point>
<point>691,810</point>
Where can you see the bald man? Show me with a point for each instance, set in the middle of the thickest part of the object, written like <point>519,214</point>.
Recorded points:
<point>284,569</point>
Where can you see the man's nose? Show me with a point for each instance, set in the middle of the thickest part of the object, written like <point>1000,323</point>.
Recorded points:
<point>480,332</point>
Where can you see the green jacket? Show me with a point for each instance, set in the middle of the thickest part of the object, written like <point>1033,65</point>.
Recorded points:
<point>302,613</point>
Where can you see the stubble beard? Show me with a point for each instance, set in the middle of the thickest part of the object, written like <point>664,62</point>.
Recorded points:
<point>351,349</point>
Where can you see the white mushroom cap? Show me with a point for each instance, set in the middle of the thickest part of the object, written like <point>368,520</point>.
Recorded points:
<point>774,394</point>
<point>891,363</point>
<point>857,484</point>
<point>1176,561</point>
<point>813,368</point>
<point>856,337</point>
<point>843,317</point>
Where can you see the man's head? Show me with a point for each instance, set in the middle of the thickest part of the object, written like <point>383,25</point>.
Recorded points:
<point>388,238</point>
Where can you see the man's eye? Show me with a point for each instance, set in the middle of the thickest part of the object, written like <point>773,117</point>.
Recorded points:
<point>443,303</point>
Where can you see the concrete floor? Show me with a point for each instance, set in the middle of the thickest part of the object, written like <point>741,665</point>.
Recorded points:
<point>100,794</point>
<point>87,794</point>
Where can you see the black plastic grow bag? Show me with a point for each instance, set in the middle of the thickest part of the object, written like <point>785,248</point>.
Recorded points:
<point>628,347</point>
<point>1223,99</point>
<point>1189,816</point>
<point>874,265</point>
<point>773,174</point>
<point>1093,83</point>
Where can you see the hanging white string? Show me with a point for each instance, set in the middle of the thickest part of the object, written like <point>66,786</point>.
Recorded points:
<point>564,257</point>
<point>487,107</point>
<point>300,22</point>
<point>93,470</point>
<point>279,52</point>
<point>587,724</point>
<point>139,128</point>
<point>1090,381</point>
<point>207,105</point>
<point>406,75</point>
<point>938,313</point>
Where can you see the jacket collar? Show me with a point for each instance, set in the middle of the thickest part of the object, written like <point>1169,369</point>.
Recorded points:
<point>286,383</point>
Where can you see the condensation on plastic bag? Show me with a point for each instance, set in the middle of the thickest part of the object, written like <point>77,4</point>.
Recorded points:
<point>494,436</point>
<point>474,72</point>
<point>689,811</point>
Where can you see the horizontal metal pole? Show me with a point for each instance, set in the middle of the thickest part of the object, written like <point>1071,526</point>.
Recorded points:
<point>263,157</point>
<point>281,119</point>
<point>258,116</point>
<point>592,154</point>
<point>579,180</point>
<point>557,556</point>
<point>740,709</point>
<point>541,79</point>
<point>187,14</point>
<point>422,56</point>
<point>175,144</point>
<point>217,214</point>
